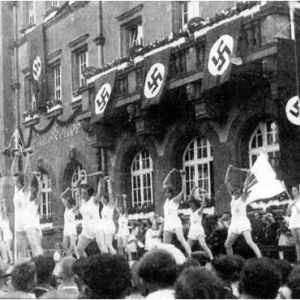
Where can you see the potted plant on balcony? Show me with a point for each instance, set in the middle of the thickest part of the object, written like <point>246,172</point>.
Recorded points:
<point>54,107</point>
<point>31,116</point>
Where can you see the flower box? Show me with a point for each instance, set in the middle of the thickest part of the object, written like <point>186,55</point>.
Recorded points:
<point>30,120</point>
<point>54,111</point>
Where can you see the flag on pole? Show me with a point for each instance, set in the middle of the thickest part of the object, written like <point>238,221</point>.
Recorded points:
<point>262,187</point>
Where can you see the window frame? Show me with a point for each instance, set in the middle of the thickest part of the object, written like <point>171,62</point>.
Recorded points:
<point>57,89</point>
<point>139,175</point>
<point>47,199</point>
<point>78,79</point>
<point>265,148</point>
<point>191,167</point>
<point>78,168</point>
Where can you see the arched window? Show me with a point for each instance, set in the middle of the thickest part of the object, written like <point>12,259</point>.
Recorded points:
<point>77,170</point>
<point>46,201</point>
<point>198,165</point>
<point>265,139</point>
<point>141,179</point>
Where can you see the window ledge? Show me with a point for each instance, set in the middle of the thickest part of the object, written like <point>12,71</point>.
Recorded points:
<point>29,121</point>
<point>54,111</point>
<point>207,211</point>
<point>46,226</point>
<point>76,101</point>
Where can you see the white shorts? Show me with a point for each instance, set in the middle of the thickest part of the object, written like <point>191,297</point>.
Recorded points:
<point>239,226</point>
<point>89,230</point>
<point>108,227</point>
<point>170,225</point>
<point>196,231</point>
<point>70,230</point>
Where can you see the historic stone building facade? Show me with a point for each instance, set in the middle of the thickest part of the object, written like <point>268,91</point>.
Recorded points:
<point>195,122</point>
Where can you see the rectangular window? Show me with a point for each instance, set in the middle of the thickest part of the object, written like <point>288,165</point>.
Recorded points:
<point>46,201</point>
<point>189,10</point>
<point>131,35</point>
<point>79,62</point>
<point>82,64</point>
<point>57,81</point>
<point>30,10</point>
<point>54,3</point>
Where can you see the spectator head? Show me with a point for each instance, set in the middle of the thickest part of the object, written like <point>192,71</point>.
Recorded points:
<point>66,267</point>
<point>87,191</point>
<point>105,276</point>
<point>44,268</point>
<point>285,268</point>
<point>198,283</point>
<point>294,282</point>
<point>201,257</point>
<point>189,263</point>
<point>70,202</point>
<point>259,279</point>
<point>240,261</point>
<point>19,179</point>
<point>158,269</point>
<point>225,267</point>
<point>23,276</point>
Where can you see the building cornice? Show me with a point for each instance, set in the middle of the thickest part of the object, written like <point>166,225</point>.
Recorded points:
<point>130,13</point>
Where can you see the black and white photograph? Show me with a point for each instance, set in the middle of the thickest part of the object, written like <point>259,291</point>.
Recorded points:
<point>150,149</point>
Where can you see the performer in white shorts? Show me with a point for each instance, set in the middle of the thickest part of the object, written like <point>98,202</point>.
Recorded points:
<point>91,221</point>
<point>123,231</point>
<point>6,234</point>
<point>293,210</point>
<point>70,225</point>
<point>196,231</point>
<point>107,214</point>
<point>20,201</point>
<point>172,222</point>
<point>32,227</point>
<point>240,224</point>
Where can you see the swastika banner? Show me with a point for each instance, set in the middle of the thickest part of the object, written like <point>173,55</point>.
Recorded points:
<point>36,44</point>
<point>221,45</point>
<point>289,111</point>
<point>103,93</point>
<point>156,72</point>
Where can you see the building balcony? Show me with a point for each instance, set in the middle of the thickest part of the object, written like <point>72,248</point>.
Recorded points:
<point>261,26</point>
<point>54,108</point>
<point>30,118</point>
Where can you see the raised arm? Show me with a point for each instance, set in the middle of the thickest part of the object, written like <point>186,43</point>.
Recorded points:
<point>100,188</point>
<point>27,174</point>
<point>14,164</point>
<point>180,196</point>
<point>245,187</point>
<point>226,181</point>
<point>165,181</point>
<point>110,193</point>
<point>62,196</point>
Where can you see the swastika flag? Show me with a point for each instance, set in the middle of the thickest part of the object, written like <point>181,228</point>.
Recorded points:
<point>156,72</point>
<point>221,45</point>
<point>104,86</point>
<point>289,132</point>
<point>36,46</point>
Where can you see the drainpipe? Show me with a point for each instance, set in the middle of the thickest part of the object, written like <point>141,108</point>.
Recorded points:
<point>100,40</point>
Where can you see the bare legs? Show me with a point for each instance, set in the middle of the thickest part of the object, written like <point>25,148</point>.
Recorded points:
<point>34,241</point>
<point>232,237</point>
<point>83,242</point>
<point>69,243</point>
<point>100,240</point>
<point>122,243</point>
<point>296,235</point>
<point>108,243</point>
<point>167,238</point>
<point>22,244</point>
<point>201,240</point>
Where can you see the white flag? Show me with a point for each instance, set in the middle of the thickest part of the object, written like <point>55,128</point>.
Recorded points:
<point>263,183</point>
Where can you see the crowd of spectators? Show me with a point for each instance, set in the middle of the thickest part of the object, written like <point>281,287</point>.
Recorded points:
<point>158,274</point>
